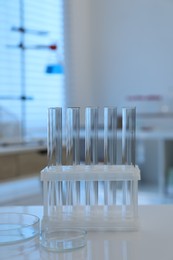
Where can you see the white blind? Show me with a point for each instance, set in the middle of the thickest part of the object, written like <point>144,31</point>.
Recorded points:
<point>28,30</point>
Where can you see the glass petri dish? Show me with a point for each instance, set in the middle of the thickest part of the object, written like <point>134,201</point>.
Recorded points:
<point>62,239</point>
<point>17,227</point>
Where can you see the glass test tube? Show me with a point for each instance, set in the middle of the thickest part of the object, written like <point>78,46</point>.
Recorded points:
<point>54,136</point>
<point>128,135</point>
<point>72,151</point>
<point>54,150</point>
<point>110,135</point>
<point>110,150</point>
<point>72,141</point>
<point>128,148</point>
<point>91,150</point>
<point>91,135</point>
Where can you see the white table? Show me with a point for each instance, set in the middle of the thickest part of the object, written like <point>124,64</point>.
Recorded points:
<point>153,240</point>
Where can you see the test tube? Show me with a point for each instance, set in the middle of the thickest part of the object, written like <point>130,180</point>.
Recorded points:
<point>54,150</point>
<point>91,150</point>
<point>110,135</point>
<point>128,147</point>
<point>73,135</point>
<point>110,150</point>
<point>128,135</point>
<point>54,136</point>
<point>91,135</point>
<point>72,151</point>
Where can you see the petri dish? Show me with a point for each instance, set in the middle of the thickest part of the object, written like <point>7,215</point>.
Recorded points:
<point>62,239</point>
<point>17,227</point>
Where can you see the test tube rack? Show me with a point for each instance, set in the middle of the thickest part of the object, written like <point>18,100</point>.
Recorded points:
<point>90,195</point>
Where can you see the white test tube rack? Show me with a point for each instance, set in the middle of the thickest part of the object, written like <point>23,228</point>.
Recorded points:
<point>90,195</point>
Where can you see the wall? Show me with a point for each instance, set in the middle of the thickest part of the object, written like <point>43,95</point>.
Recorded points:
<point>118,48</point>
<point>77,52</point>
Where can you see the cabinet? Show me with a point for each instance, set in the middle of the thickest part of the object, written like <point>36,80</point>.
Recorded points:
<point>158,149</point>
<point>22,162</point>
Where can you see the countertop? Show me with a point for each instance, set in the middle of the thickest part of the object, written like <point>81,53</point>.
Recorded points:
<point>153,240</point>
<point>21,147</point>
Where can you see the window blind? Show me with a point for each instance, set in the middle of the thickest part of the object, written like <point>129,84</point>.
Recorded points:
<point>32,39</point>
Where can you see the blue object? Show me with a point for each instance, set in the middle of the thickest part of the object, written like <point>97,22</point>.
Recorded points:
<point>55,69</point>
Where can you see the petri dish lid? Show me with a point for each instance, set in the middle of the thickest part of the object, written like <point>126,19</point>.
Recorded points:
<point>18,227</point>
<point>63,239</point>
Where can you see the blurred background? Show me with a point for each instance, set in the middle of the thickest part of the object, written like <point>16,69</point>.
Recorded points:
<point>84,53</point>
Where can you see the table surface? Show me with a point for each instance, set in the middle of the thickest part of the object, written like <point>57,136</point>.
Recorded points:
<point>153,240</point>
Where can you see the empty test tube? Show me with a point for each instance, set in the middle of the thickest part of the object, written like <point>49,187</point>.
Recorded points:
<point>110,135</point>
<point>73,138</point>
<point>128,147</point>
<point>91,135</point>
<point>110,150</point>
<point>54,136</point>
<point>128,135</point>
<point>54,145</point>
<point>91,150</point>
<point>72,151</point>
